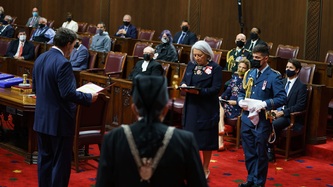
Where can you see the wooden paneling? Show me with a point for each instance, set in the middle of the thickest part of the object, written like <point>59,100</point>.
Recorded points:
<point>326,29</point>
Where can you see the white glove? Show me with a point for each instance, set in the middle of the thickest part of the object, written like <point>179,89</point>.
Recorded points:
<point>243,104</point>
<point>260,105</point>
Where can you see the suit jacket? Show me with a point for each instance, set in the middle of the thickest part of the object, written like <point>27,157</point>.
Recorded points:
<point>248,43</point>
<point>7,32</point>
<point>153,68</point>
<point>56,96</point>
<point>180,162</point>
<point>189,39</point>
<point>79,58</point>
<point>35,24</point>
<point>269,88</point>
<point>28,52</point>
<point>296,100</point>
<point>130,33</point>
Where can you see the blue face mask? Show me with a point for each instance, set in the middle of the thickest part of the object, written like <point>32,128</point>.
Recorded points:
<point>35,14</point>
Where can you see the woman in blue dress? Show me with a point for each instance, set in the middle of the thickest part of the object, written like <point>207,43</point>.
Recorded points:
<point>230,109</point>
<point>201,107</point>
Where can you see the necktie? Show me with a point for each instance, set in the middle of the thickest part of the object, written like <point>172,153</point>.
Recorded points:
<point>259,73</point>
<point>180,41</point>
<point>20,50</point>
<point>287,87</point>
<point>251,46</point>
<point>32,22</point>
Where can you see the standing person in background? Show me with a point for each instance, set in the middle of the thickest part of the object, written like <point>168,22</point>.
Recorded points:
<point>127,30</point>
<point>185,36</point>
<point>201,107</point>
<point>264,91</point>
<point>34,20</point>
<point>166,50</point>
<point>101,41</point>
<point>21,48</point>
<point>56,99</point>
<point>254,39</point>
<point>129,151</point>
<point>70,23</point>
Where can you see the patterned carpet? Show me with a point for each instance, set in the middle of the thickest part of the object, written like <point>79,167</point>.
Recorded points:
<point>227,169</point>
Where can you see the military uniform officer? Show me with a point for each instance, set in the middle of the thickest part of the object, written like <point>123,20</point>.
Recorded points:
<point>236,54</point>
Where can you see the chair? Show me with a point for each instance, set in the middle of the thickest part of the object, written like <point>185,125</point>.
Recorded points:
<point>4,44</point>
<point>13,20</point>
<point>307,72</point>
<point>214,43</point>
<point>145,34</point>
<point>82,27</point>
<point>91,29</point>
<point>50,23</point>
<point>329,56</point>
<point>287,51</point>
<point>166,69</point>
<point>113,40</point>
<point>114,65</point>
<point>232,130</point>
<point>89,128</point>
<point>289,133</point>
<point>138,48</point>
<point>92,59</point>
<point>270,45</point>
<point>36,49</point>
<point>179,52</point>
<point>86,40</point>
<point>217,56</point>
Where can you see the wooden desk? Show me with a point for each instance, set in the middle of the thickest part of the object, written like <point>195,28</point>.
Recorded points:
<point>22,108</point>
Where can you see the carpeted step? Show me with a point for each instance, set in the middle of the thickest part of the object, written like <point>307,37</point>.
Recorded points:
<point>321,151</point>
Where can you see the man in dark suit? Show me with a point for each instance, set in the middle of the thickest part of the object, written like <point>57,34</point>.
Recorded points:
<point>127,30</point>
<point>263,90</point>
<point>254,39</point>
<point>34,20</point>
<point>296,102</point>
<point>185,36</point>
<point>79,56</point>
<point>147,66</point>
<point>6,29</point>
<point>56,99</point>
<point>21,48</point>
<point>140,162</point>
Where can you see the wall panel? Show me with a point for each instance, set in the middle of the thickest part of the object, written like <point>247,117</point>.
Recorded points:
<point>326,29</point>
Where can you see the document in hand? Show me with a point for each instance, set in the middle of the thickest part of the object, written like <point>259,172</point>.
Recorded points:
<point>90,88</point>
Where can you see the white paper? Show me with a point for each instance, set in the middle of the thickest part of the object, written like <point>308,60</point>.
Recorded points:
<point>90,88</point>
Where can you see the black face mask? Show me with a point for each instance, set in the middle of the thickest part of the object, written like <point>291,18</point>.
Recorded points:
<point>255,64</point>
<point>126,23</point>
<point>254,36</point>
<point>69,19</point>
<point>4,22</point>
<point>41,25</point>
<point>240,44</point>
<point>77,45</point>
<point>290,73</point>
<point>146,57</point>
<point>185,28</point>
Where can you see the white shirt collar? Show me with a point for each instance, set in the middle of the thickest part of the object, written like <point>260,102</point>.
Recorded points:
<point>55,47</point>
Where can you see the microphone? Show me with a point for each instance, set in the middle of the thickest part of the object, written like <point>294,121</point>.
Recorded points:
<point>240,16</point>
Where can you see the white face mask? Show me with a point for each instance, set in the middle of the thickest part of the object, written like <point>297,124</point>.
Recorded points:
<point>23,37</point>
<point>164,40</point>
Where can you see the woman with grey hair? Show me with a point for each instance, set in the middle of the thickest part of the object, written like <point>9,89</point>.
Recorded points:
<point>202,82</point>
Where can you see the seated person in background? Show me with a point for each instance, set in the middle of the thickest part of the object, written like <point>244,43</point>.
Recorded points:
<point>101,41</point>
<point>156,155</point>
<point>231,109</point>
<point>185,36</point>
<point>254,39</point>
<point>238,53</point>
<point>147,66</point>
<point>43,33</point>
<point>296,102</point>
<point>79,56</point>
<point>34,20</point>
<point>127,30</point>
<point>21,48</point>
<point>2,14</point>
<point>166,50</point>
<point>69,23</point>
<point>6,29</point>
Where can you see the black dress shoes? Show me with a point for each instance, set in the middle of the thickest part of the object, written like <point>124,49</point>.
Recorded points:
<point>246,184</point>
<point>271,155</point>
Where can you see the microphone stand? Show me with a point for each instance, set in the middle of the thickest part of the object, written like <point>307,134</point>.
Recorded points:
<point>240,16</point>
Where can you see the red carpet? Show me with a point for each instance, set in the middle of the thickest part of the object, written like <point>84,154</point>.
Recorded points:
<point>227,169</point>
